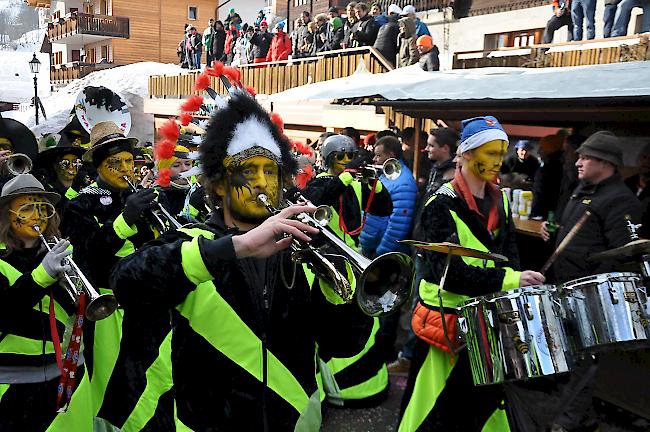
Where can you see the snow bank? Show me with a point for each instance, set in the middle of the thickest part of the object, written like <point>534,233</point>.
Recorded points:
<point>17,81</point>
<point>130,82</point>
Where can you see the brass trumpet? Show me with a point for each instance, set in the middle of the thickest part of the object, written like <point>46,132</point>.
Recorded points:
<point>159,213</point>
<point>99,305</point>
<point>391,168</point>
<point>19,163</point>
<point>383,284</point>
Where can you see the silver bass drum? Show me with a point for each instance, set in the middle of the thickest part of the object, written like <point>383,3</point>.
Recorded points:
<point>605,311</point>
<point>514,335</point>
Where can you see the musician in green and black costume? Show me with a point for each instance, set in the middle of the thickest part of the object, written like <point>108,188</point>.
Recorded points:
<point>129,364</point>
<point>29,275</point>
<point>246,321</point>
<point>361,379</point>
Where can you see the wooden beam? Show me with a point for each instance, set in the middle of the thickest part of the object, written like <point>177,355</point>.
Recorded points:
<point>416,147</point>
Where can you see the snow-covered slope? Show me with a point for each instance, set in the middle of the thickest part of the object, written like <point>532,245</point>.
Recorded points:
<point>28,42</point>
<point>130,82</point>
<point>17,81</point>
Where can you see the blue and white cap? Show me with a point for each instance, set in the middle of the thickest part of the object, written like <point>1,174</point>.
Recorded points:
<point>478,131</point>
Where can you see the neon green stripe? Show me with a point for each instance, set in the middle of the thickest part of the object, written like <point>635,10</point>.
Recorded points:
<point>41,277</point>
<point>193,265</point>
<point>71,193</point>
<point>195,232</point>
<point>123,229</point>
<point>204,307</point>
<point>127,249</point>
<point>368,388</point>
<point>336,365</point>
<point>180,426</point>
<point>3,390</point>
<point>159,381</point>
<point>79,416</point>
<point>9,272</point>
<point>14,344</point>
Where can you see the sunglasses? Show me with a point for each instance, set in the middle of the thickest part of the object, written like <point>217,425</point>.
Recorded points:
<point>27,211</point>
<point>342,155</point>
<point>65,163</point>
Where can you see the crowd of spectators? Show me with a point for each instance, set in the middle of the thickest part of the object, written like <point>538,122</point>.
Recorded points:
<point>576,14</point>
<point>397,34</point>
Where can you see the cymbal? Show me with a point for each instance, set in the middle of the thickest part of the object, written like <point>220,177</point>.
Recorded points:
<point>455,249</point>
<point>633,249</point>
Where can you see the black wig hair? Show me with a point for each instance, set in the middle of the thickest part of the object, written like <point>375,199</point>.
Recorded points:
<point>220,131</point>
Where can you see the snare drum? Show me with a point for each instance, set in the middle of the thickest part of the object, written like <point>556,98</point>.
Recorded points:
<point>514,335</point>
<point>605,311</point>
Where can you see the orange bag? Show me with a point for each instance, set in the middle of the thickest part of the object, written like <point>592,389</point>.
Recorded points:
<point>427,325</point>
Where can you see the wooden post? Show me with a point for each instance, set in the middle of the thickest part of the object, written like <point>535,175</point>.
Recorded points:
<point>416,147</point>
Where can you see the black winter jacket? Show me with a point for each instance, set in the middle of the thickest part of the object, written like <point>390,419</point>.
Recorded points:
<point>546,189</point>
<point>364,32</point>
<point>261,42</point>
<point>430,61</point>
<point>387,39</point>
<point>213,393</point>
<point>218,42</point>
<point>328,190</point>
<point>608,201</point>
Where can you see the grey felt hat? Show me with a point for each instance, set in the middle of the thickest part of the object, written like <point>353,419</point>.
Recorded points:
<point>603,145</point>
<point>26,184</point>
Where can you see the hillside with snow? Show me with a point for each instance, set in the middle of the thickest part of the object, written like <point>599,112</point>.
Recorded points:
<point>130,82</point>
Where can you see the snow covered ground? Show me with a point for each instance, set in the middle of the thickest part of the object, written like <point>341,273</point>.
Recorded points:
<point>28,42</point>
<point>130,82</point>
<point>17,81</point>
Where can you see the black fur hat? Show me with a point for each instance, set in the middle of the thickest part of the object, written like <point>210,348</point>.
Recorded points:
<point>239,130</point>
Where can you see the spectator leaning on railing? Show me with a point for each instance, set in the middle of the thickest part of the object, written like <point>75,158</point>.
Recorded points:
<point>280,46</point>
<point>388,35</point>
<point>364,31</point>
<point>350,21</point>
<point>408,52</point>
<point>429,54</point>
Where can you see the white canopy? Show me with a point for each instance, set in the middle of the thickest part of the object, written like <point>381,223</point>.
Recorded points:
<point>412,83</point>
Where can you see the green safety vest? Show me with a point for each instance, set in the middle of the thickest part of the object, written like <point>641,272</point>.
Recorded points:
<point>334,221</point>
<point>79,415</point>
<point>204,306</point>
<point>429,291</point>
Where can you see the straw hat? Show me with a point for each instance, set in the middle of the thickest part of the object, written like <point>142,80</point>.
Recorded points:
<point>107,139</point>
<point>26,184</point>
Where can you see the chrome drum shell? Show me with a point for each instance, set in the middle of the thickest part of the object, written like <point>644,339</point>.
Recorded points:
<point>515,335</point>
<point>605,311</point>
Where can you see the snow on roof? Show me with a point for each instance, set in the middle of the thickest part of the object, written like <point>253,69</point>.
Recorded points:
<point>130,82</point>
<point>412,83</point>
<point>16,79</point>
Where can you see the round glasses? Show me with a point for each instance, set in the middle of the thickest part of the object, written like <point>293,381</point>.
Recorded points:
<point>65,163</point>
<point>27,211</point>
<point>342,155</point>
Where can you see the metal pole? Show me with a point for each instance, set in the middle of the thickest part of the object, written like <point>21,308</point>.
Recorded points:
<point>36,99</point>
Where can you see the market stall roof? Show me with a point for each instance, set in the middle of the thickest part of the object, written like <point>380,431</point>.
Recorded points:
<point>612,92</point>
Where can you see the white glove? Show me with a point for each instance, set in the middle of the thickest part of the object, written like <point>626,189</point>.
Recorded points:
<point>54,261</point>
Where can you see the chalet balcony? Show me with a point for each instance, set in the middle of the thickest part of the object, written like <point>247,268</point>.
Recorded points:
<point>38,3</point>
<point>90,28</point>
<point>65,73</point>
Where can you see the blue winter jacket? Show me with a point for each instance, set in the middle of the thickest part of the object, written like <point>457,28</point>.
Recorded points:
<point>421,28</point>
<point>381,233</point>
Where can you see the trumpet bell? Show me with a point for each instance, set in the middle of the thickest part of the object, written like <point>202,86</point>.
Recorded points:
<point>101,307</point>
<point>19,163</point>
<point>392,169</point>
<point>385,284</point>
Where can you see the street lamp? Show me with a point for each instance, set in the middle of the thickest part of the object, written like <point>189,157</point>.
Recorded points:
<point>35,67</point>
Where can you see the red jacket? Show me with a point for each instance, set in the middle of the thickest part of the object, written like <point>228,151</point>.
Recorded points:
<point>229,44</point>
<point>280,47</point>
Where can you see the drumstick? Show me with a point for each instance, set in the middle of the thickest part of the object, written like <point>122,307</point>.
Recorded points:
<point>565,241</point>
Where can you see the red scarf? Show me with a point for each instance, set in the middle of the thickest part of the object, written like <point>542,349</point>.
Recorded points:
<point>460,186</point>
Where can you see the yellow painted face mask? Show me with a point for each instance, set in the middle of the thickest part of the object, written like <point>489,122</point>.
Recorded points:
<point>25,211</point>
<point>248,179</point>
<point>5,144</point>
<point>486,160</point>
<point>67,168</point>
<point>339,161</point>
<point>115,167</point>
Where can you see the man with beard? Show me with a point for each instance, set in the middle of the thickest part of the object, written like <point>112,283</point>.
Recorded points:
<point>246,321</point>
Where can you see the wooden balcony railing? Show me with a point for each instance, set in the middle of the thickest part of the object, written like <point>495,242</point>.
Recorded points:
<point>579,53</point>
<point>65,73</point>
<point>269,78</point>
<point>99,25</point>
<point>38,3</point>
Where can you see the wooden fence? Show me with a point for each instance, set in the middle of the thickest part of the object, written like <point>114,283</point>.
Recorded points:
<point>275,77</point>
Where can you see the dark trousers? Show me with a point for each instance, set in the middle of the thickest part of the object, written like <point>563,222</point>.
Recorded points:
<point>556,23</point>
<point>461,406</point>
<point>608,18</point>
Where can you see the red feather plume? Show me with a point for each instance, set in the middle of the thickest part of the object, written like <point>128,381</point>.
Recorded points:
<point>202,82</point>
<point>185,118</point>
<point>232,73</point>
<point>275,118</point>
<point>192,103</point>
<point>169,130</point>
<point>164,149</point>
<point>164,177</point>
<point>216,69</point>
<point>251,90</point>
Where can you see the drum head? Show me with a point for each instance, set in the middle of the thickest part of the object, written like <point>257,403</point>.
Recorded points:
<point>98,104</point>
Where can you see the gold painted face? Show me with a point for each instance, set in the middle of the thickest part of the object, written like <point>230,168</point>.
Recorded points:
<point>486,160</point>
<point>25,211</point>
<point>67,167</point>
<point>6,145</point>
<point>339,161</point>
<point>113,169</point>
<point>246,181</point>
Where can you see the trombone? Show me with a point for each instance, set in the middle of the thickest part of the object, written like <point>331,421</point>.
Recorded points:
<point>384,284</point>
<point>391,168</point>
<point>99,305</point>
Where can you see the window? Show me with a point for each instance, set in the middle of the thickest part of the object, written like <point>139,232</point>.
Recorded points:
<point>193,13</point>
<point>58,57</point>
<point>297,3</point>
<point>520,38</point>
<point>105,52</point>
<point>75,55</point>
